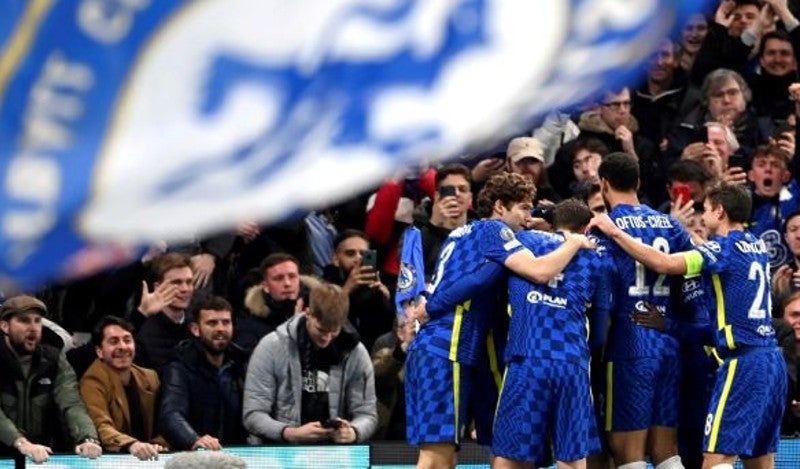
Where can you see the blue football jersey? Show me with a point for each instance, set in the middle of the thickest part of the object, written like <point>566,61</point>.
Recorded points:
<point>736,273</point>
<point>633,284</point>
<point>550,320</point>
<point>463,299</point>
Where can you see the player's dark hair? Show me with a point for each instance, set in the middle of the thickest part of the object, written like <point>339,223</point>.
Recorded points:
<point>734,199</point>
<point>621,170</point>
<point>508,188</point>
<point>571,214</point>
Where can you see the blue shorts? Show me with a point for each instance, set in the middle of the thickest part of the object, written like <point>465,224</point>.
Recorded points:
<point>747,405</point>
<point>443,397</point>
<point>542,401</point>
<point>642,393</point>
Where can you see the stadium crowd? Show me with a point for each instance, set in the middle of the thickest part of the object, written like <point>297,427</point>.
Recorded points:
<point>297,333</point>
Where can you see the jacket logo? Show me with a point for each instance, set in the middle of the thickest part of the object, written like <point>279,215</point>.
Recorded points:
<point>45,380</point>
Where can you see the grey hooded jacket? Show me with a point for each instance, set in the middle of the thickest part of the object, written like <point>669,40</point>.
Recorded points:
<point>273,387</point>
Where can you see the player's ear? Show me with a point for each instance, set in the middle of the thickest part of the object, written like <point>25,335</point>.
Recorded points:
<point>498,207</point>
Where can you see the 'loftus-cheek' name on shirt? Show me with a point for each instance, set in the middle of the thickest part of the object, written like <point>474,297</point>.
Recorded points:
<point>651,221</point>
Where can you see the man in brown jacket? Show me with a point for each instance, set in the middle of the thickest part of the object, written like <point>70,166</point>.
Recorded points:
<point>120,396</point>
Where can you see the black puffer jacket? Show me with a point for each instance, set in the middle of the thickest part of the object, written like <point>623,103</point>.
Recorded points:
<point>199,399</point>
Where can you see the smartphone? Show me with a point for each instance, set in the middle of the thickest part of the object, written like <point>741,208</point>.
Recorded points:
<point>545,213</point>
<point>332,423</point>
<point>681,193</point>
<point>446,191</point>
<point>369,257</point>
<point>737,159</point>
<point>701,135</point>
<point>781,126</point>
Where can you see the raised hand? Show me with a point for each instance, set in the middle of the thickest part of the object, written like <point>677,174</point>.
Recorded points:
<point>155,301</point>
<point>203,267</point>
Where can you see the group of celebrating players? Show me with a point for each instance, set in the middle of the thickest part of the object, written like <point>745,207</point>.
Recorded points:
<point>676,332</point>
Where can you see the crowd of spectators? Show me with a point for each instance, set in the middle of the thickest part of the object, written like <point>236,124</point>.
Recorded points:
<point>284,333</point>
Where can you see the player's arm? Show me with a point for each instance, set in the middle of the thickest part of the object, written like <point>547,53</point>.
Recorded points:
<point>650,257</point>
<point>542,269</point>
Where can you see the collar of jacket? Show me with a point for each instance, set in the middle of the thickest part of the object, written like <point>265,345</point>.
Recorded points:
<point>346,341</point>
<point>591,121</point>
<point>43,356</point>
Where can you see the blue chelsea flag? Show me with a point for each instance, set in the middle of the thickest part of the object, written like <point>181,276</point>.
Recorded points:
<point>125,122</point>
<point>411,279</point>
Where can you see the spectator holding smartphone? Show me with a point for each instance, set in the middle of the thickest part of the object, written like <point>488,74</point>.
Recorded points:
<point>328,369</point>
<point>353,267</point>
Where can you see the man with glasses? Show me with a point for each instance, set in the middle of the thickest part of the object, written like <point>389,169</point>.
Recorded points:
<point>612,123</point>
<point>370,309</point>
<point>725,99</point>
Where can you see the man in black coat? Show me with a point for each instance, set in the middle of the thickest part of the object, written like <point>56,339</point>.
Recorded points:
<point>201,391</point>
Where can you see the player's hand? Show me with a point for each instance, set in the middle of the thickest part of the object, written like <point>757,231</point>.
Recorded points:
<point>649,317</point>
<point>417,312</point>
<point>207,442</point>
<point>602,222</point>
<point>584,241</point>
<point>405,333</point>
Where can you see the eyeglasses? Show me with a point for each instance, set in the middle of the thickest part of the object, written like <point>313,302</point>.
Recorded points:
<point>618,104</point>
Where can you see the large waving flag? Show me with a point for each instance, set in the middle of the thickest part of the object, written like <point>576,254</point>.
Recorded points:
<point>123,122</point>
